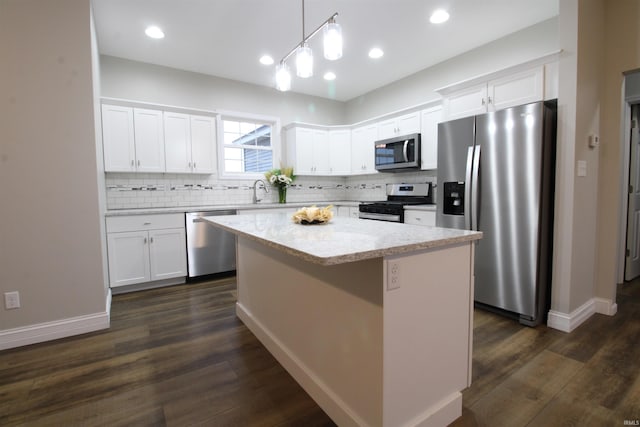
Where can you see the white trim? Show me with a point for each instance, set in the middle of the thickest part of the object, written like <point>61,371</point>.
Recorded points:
<point>605,306</point>
<point>48,331</point>
<point>568,322</point>
<point>108,305</point>
<point>331,403</point>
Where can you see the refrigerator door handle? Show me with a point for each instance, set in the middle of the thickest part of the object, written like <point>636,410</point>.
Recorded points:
<point>467,192</point>
<point>474,189</point>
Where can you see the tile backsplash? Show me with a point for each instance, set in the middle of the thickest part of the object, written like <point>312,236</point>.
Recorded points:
<point>135,190</point>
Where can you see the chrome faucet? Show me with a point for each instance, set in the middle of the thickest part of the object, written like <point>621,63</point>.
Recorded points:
<point>255,188</point>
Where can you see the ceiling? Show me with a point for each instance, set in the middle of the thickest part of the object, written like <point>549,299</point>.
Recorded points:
<point>225,38</point>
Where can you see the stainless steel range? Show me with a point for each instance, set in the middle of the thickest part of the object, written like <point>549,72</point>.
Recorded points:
<point>398,196</point>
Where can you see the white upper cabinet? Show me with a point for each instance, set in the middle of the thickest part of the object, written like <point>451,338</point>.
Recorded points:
<point>189,143</point>
<point>308,151</point>
<point>516,89</point>
<point>133,139</point>
<point>118,139</point>
<point>429,137</point>
<point>177,142</point>
<point>400,125</point>
<point>362,149</point>
<point>203,144</point>
<point>340,152</point>
<point>504,92</point>
<point>149,140</point>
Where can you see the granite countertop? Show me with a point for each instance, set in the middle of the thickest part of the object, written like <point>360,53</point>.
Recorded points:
<point>343,239</point>
<point>245,206</point>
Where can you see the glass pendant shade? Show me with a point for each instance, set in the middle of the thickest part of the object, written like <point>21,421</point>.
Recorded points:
<point>332,41</point>
<point>283,77</point>
<point>304,61</point>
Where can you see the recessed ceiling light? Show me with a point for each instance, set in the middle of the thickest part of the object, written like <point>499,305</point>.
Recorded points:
<point>154,32</point>
<point>266,60</point>
<point>329,75</point>
<point>439,16</point>
<point>376,53</point>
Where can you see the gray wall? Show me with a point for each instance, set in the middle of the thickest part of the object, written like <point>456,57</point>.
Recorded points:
<point>418,88</point>
<point>161,85</point>
<point>50,248</point>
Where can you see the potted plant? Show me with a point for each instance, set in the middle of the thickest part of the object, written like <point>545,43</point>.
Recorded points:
<point>281,179</point>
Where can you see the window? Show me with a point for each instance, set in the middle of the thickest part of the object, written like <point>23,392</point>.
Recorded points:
<point>247,147</point>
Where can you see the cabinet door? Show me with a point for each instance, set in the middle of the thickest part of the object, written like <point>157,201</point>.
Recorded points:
<point>429,137</point>
<point>409,123</point>
<point>128,258</point>
<point>387,128</point>
<point>420,217</point>
<point>149,137</point>
<point>118,138</point>
<point>340,152</point>
<point>321,150</point>
<point>167,250</point>
<point>467,102</point>
<point>517,89</point>
<point>177,142</point>
<point>362,149</point>
<point>203,144</point>
<point>300,150</point>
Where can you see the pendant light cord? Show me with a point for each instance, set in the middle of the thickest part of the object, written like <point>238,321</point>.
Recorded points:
<point>302,23</point>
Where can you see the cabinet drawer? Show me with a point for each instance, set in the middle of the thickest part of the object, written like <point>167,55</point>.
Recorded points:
<point>420,217</point>
<point>116,224</point>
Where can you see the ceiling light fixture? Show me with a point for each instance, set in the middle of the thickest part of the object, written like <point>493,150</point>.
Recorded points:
<point>154,32</point>
<point>439,16</point>
<point>376,53</point>
<point>304,55</point>
<point>266,60</point>
<point>329,75</point>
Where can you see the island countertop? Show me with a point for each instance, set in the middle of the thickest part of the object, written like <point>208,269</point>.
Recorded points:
<point>342,240</point>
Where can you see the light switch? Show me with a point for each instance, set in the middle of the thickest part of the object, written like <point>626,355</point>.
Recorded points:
<point>582,168</point>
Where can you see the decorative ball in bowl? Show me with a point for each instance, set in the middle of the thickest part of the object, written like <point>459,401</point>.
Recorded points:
<point>313,215</point>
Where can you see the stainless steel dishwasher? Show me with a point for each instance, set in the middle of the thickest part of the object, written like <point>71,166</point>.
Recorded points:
<point>210,249</point>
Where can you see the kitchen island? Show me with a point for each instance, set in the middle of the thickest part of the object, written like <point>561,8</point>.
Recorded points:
<point>373,319</point>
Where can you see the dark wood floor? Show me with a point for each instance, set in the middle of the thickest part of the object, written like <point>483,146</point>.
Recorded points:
<point>178,357</point>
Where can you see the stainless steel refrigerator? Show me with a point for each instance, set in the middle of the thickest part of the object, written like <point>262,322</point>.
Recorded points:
<point>496,175</point>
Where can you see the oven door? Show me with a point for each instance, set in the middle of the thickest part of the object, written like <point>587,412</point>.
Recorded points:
<point>380,213</point>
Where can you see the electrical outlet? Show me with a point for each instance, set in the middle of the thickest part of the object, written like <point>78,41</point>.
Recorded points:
<point>393,275</point>
<point>11,300</point>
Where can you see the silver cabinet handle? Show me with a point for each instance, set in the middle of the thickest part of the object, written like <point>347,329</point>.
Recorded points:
<point>147,223</point>
<point>151,240</point>
<point>194,165</point>
<point>138,162</point>
<point>489,100</point>
<point>483,101</point>
<point>132,163</point>
<point>145,240</point>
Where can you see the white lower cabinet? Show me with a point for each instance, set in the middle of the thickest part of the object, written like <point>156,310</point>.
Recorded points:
<point>347,211</point>
<point>146,248</point>
<point>420,217</point>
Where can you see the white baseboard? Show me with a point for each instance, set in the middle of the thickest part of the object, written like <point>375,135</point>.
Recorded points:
<point>48,331</point>
<point>568,322</point>
<point>606,306</point>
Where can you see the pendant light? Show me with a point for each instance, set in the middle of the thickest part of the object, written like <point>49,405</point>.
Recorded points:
<point>304,61</point>
<point>304,56</point>
<point>332,40</point>
<point>283,77</point>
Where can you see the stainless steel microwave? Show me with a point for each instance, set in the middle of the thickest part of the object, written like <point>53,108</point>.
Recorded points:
<point>398,153</point>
